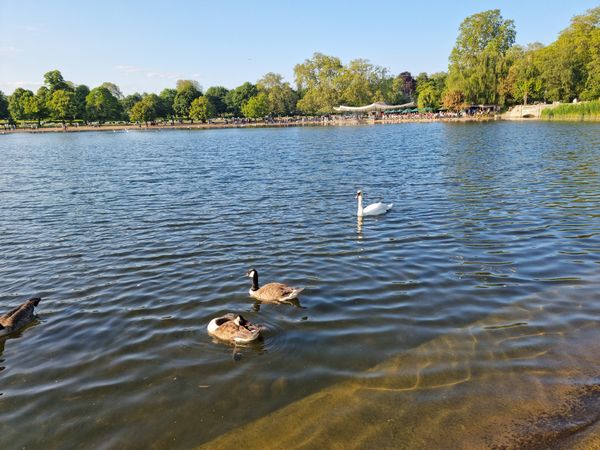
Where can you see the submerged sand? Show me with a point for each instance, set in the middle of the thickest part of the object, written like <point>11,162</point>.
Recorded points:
<point>500,383</point>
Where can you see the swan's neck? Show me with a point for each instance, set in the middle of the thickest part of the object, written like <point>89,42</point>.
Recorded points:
<point>360,208</point>
<point>254,282</point>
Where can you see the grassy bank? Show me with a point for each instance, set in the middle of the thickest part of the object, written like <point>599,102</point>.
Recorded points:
<point>574,111</point>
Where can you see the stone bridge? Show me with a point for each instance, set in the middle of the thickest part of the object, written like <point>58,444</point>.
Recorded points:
<point>527,111</point>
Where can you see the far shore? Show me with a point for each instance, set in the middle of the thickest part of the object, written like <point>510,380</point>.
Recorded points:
<point>311,122</point>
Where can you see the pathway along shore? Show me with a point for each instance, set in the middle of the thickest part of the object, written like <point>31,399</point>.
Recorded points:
<point>246,124</point>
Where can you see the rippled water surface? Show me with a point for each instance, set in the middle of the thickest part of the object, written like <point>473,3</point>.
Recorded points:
<point>473,303</point>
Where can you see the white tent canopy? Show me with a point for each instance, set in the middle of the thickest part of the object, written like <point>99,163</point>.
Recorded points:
<point>377,106</point>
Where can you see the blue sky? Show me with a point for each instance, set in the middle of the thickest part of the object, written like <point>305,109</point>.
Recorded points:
<point>147,46</point>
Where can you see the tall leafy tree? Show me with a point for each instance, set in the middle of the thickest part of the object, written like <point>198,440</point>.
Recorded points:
<point>101,105</point>
<point>187,92</point>
<point>317,83</point>
<point>61,105</point>
<point>216,95</point>
<point>54,81</point>
<point>524,82</point>
<point>129,101</point>
<point>146,110</point>
<point>430,90</point>
<point>477,62</point>
<point>570,66</point>
<point>256,107</point>
<point>167,98</point>
<point>202,109</point>
<point>236,98</point>
<point>4,114</point>
<point>16,103</point>
<point>113,89</point>
<point>282,98</point>
<point>81,92</point>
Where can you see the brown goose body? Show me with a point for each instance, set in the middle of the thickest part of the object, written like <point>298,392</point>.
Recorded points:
<point>271,292</point>
<point>18,317</point>
<point>233,328</point>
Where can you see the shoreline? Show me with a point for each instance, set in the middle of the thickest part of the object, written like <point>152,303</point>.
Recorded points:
<point>215,126</point>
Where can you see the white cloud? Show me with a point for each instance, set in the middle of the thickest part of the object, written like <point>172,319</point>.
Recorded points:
<point>10,86</point>
<point>165,75</point>
<point>129,69</point>
<point>9,50</point>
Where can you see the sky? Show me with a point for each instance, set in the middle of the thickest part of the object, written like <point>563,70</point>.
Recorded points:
<point>145,46</point>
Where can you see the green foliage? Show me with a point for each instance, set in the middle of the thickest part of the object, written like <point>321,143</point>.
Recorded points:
<point>61,105</point>
<point>187,92</point>
<point>524,81</point>
<point>202,109</point>
<point>129,101</point>
<point>81,92</point>
<point>101,105</point>
<point>257,107</point>
<point>216,95</point>
<point>430,90</point>
<point>577,111</point>
<point>54,81</point>
<point>167,98</point>
<point>570,66</point>
<point>235,98</point>
<point>113,89</point>
<point>316,81</point>
<point>4,114</point>
<point>281,97</point>
<point>146,110</point>
<point>477,62</point>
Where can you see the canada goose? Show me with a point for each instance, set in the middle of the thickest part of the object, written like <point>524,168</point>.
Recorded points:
<point>373,209</point>
<point>18,317</point>
<point>233,328</point>
<point>272,292</point>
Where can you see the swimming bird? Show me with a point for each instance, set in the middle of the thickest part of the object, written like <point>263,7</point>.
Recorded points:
<point>272,292</point>
<point>233,328</point>
<point>18,317</point>
<point>374,209</point>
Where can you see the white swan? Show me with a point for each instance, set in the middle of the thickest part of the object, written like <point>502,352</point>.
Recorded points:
<point>373,209</point>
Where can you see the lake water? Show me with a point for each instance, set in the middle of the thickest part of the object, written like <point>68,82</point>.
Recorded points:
<point>468,314</point>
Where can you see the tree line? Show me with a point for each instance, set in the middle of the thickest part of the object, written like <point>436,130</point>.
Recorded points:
<point>485,67</point>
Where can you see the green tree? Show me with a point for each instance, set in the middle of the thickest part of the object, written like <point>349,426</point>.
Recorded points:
<point>317,83</point>
<point>4,114</point>
<point>113,89</point>
<point>570,66</point>
<point>282,98</point>
<point>61,105</point>
<point>167,98</point>
<point>146,110</point>
<point>477,62</point>
<point>16,104</point>
<point>81,92</point>
<point>128,102</point>
<point>256,107</point>
<point>202,109</point>
<point>101,105</point>
<point>54,81</point>
<point>235,98</point>
<point>187,92</point>
<point>360,83</point>
<point>524,81</point>
<point>430,90</point>
<point>216,95</point>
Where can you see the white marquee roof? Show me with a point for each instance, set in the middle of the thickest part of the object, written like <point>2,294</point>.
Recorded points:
<point>377,106</point>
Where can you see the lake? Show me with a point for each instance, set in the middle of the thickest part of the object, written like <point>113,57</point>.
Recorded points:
<point>466,316</point>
